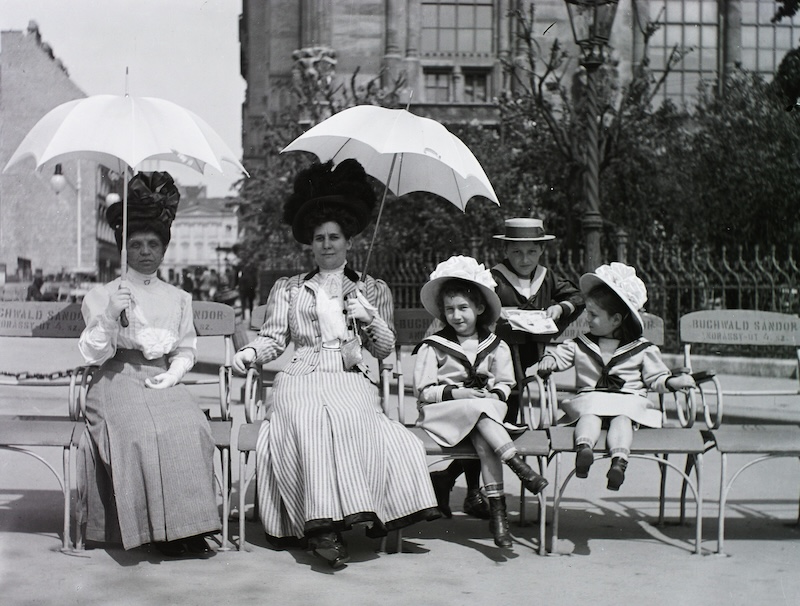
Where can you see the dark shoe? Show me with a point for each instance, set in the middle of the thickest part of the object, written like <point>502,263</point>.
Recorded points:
<point>442,485</point>
<point>583,460</point>
<point>197,546</point>
<point>498,522</point>
<point>329,547</point>
<point>530,479</point>
<point>172,549</point>
<point>616,474</point>
<point>476,505</point>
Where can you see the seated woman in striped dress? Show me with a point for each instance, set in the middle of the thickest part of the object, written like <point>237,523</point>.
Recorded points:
<point>328,458</point>
<point>145,472</point>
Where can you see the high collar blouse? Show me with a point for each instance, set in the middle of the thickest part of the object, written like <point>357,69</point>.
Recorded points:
<point>160,323</point>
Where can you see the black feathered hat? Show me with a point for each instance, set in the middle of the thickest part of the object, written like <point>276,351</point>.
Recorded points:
<point>152,203</point>
<point>320,190</point>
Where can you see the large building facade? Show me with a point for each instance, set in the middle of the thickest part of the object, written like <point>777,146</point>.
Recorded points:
<point>204,233</point>
<point>450,52</point>
<point>41,229</point>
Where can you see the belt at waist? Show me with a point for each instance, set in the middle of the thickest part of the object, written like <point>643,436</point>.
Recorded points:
<point>136,356</point>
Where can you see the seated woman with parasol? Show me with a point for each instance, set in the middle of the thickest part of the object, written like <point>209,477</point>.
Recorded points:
<point>145,472</point>
<point>328,458</point>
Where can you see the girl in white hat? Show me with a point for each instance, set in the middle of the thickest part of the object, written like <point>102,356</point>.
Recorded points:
<point>615,367</point>
<point>463,376</point>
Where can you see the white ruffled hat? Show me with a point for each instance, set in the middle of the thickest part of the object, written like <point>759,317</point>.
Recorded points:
<point>622,279</point>
<point>462,268</point>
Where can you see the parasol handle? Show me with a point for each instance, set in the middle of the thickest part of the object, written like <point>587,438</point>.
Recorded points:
<point>378,220</point>
<point>123,317</point>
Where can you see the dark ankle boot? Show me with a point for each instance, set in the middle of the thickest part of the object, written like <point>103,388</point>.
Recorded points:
<point>498,521</point>
<point>616,474</point>
<point>442,485</point>
<point>583,460</point>
<point>476,505</point>
<point>530,479</point>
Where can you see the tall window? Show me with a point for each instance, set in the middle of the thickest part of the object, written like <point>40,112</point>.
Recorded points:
<point>763,43</point>
<point>689,24</point>
<point>476,86</point>
<point>438,86</point>
<point>456,26</point>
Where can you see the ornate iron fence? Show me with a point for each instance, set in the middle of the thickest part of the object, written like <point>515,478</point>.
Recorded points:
<point>678,280</point>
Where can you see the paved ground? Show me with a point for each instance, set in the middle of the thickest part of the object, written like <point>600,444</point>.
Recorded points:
<point>612,550</point>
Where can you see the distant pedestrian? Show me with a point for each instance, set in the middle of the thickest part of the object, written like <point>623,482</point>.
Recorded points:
<point>35,290</point>
<point>615,366</point>
<point>188,283</point>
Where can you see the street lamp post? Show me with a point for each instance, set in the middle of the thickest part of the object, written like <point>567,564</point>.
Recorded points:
<point>591,22</point>
<point>57,182</point>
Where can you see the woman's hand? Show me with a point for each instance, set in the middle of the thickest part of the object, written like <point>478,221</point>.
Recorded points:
<point>119,301</point>
<point>357,311</point>
<point>554,312</point>
<point>242,359</point>
<point>161,381</point>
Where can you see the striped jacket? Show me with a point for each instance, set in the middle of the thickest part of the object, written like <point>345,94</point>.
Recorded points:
<point>292,318</point>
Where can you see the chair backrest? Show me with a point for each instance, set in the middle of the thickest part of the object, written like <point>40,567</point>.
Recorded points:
<point>653,329</point>
<point>41,319</point>
<point>257,317</point>
<point>411,325</point>
<point>742,328</point>
<point>213,319</point>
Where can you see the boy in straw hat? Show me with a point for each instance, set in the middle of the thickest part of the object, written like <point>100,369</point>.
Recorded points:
<point>463,376</point>
<point>614,366</point>
<point>524,283</point>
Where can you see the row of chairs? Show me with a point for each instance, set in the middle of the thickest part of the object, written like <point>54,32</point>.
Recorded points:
<point>545,441</point>
<point>692,422</point>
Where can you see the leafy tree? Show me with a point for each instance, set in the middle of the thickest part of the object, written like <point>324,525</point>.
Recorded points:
<point>786,8</point>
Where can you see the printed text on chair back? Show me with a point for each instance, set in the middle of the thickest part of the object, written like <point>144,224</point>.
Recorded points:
<point>740,327</point>
<point>213,319</point>
<point>411,325</point>
<point>37,319</point>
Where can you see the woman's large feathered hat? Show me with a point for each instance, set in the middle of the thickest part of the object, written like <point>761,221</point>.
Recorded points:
<point>321,188</point>
<point>152,203</point>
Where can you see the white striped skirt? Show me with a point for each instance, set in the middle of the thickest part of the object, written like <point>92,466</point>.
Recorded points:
<point>329,458</point>
<point>145,461</point>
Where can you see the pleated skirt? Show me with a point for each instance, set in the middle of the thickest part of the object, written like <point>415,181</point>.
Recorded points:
<point>145,461</point>
<point>637,408</point>
<point>329,458</point>
<point>450,421</point>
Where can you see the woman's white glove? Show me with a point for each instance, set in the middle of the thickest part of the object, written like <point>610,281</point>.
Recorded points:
<point>161,381</point>
<point>359,308</point>
<point>119,301</point>
<point>242,359</point>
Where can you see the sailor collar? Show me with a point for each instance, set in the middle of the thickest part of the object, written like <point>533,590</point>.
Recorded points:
<point>447,340</point>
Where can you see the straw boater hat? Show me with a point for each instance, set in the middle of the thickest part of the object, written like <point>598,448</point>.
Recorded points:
<point>468,270</point>
<point>622,279</point>
<point>522,229</point>
<point>322,188</point>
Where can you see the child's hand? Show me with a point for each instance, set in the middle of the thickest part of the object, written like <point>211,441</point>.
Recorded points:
<point>554,312</point>
<point>546,366</point>
<point>682,381</point>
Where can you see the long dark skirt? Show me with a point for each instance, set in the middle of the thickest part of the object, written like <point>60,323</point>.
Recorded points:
<point>145,461</point>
